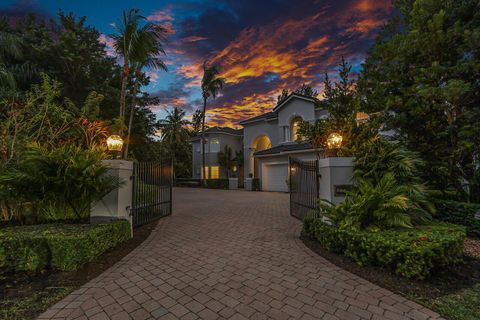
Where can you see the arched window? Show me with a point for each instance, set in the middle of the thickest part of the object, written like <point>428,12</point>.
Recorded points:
<point>214,145</point>
<point>294,126</point>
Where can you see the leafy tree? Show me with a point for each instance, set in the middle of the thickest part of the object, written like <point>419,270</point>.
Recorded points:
<point>341,102</point>
<point>282,96</point>
<point>42,117</point>
<point>307,90</point>
<point>225,159</point>
<point>422,75</point>
<point>211,86</point>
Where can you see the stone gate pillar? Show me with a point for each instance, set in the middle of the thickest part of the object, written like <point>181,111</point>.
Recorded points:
<point>336,175</point>
<point>116,205</point>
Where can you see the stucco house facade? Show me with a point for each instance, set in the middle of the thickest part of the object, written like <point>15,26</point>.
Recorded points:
<point>267,140</point>
<point>216,139</point>
<point>270,139</point>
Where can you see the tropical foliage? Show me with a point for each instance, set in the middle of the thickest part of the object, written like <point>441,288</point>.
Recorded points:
<point>211,85</point>
<point>412,253</point>
<point>140,46</point>
<point>422,77</point>
<point>58,184</point>
<point>175,138</point>
<point>225,160</point>
<point>342,103</point>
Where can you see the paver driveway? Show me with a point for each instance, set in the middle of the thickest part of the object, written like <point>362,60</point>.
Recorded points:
<point>230,255</point>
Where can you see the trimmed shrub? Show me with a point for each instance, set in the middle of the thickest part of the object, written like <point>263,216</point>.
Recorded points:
<point>217,183</point>
<point>55,246</point>
<point>256,184</point>
<point>461,213</point>
<point>410,252</point>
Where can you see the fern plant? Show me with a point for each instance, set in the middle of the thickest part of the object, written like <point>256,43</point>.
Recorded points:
<point>387,191</point>
<point>61,182</point>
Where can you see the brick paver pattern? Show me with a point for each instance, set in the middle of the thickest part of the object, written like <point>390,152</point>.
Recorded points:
<point>230,255</point>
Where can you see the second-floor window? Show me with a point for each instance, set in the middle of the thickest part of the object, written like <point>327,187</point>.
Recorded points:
<point>214,145</point>
<point>294,126</point>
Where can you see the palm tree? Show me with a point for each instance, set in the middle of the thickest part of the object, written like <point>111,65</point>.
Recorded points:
<point>174,130</point>
<point>133,40</point>
<point>197,119</point>
<point>144,58</point>
<point>211,85</point>
<point>10,46</point>
<point>225,159</point>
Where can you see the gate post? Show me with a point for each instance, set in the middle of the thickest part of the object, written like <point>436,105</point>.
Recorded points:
<point>336,175</point>
<point>117,204</point>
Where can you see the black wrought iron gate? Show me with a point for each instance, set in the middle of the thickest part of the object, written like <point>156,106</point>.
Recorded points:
<point>304,186</point>
<point>152,191</point>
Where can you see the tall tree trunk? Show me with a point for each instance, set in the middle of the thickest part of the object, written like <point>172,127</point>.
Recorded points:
<point>130,120</point>
<point>203,142</point>
<point>123,92</point>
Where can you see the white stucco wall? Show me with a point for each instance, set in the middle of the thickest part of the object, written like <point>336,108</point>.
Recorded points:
<point>251,132</point>
<point>296,108</point>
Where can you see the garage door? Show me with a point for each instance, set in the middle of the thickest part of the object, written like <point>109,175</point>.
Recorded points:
<point>274,177</point>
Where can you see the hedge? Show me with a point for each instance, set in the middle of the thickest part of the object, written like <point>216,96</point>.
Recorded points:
<point>461,213</point>
<point>57,246</point>
<point>411,253</point>
<point>217,183</point>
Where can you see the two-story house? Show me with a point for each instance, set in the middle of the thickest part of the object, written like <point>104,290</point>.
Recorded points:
<point>216,139</point>
<point>268,140</point>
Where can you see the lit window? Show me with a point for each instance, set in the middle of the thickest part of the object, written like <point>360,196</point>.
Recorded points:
<point>205,172</point>
<point>214,145</point>
<point>214,173</point>
<point>295,125</point>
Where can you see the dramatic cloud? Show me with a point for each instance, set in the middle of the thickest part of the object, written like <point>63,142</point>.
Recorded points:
<point>281,52</point>
<point>260,47</point>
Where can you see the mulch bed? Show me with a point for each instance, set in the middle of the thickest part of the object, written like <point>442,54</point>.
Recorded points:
<point>24,286</point>
<point>446,281</point>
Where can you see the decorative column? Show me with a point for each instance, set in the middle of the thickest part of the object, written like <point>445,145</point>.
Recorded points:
<point>336,175</point>
<point>116,205</point>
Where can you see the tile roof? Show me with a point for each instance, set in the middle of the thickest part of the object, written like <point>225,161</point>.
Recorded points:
<point>285,148</point>
<point>226,130</point>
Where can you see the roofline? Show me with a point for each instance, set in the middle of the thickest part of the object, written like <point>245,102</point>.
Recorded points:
<point>292,95</point>
<point>283,153</point>
<point>199,135</point>
<point>278,106</point>
<point>248,121</point>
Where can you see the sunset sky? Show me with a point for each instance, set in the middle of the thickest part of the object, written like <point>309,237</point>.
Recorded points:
<point>261,47</point>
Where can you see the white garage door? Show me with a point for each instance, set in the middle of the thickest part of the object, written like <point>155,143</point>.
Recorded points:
<point>274,177</point>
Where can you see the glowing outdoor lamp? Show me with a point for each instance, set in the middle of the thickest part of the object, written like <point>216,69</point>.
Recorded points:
<point>114,143</point>
<point>334,142</point>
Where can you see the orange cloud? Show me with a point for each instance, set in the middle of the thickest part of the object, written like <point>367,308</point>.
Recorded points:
<point>258,51</point>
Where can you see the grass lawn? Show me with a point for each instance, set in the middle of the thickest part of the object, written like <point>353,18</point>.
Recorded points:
<point>21,308</point>
<point>462,305</point>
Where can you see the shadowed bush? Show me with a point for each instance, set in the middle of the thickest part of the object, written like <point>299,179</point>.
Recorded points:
<point>57,246</point>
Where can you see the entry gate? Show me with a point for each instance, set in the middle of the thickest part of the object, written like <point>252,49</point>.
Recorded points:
<point>304,186</point>
<point>152,191</point>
